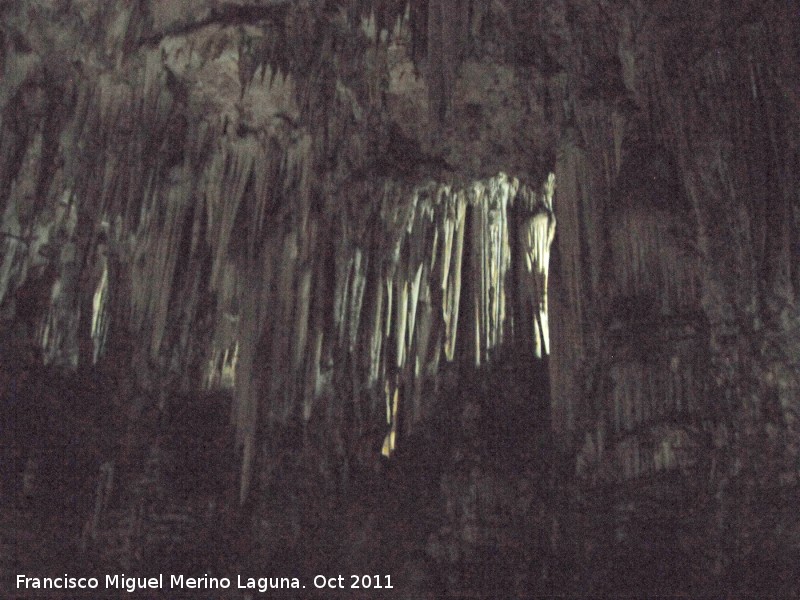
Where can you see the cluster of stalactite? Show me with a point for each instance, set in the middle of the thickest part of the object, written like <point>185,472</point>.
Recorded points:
<point>212,247</point>
<point>655,399</point>
<point>225,199</point>
<point>383,307</point>
<point>675,210</point>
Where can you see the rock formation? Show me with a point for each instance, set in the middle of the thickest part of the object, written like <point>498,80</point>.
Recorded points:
<point>497,297</point>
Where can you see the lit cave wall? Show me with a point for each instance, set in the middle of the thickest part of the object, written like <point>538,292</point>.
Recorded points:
<point>494,299</point>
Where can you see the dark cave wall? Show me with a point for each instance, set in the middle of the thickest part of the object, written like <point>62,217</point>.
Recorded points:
<point>681,180</point>
<point>289,216</point>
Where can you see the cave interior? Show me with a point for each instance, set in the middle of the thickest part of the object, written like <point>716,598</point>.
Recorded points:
<point>496,298</point>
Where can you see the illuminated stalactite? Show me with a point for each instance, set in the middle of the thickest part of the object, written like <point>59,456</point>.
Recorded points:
<point>535,238</point>
<point>272,234</point>
<point>245,197</point>
<point>491,259</point>
<point>240,180</point>
<point>100,315</point>
<point>392,403</point>
<point>389,313</point>
<point>428,229</point>
<point>451,260</point>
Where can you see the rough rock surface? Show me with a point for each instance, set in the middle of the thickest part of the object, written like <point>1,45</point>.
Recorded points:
<point>498,297</point>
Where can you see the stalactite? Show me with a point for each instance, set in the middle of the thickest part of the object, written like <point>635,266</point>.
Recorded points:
<point>447,36</point>
<point>377,334</point>
<point>536,237</point>
<point>227,179</point>
<point>301,320</point>
<point>224,344</point>
<point>276,227</point>
<point>245,407</point>
<point>491,260</point>
<point>392,393</point>
<point>283,297</point>
<point>356,297</point>
<point>425,322</point>
<point>401,318</point>
<point>452,258</point>
<point>241,190</point>
<point>413,302</point>
<point>649,261</point>
<point>22,194</point>
<point>14,249</point>
<point>100,314</point>
<point>344,279</point>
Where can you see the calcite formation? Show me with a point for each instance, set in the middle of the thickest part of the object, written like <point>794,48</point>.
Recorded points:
<point>525,272</point>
